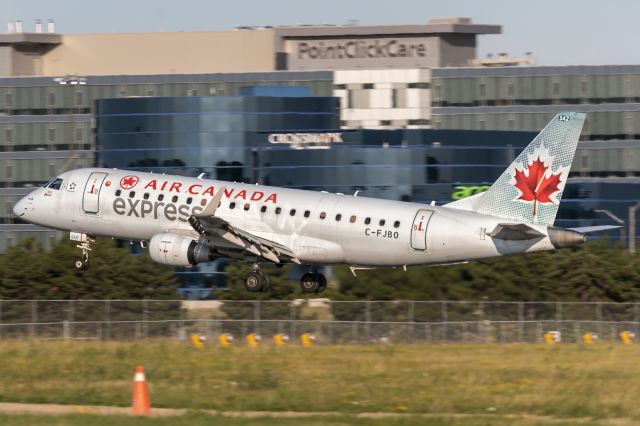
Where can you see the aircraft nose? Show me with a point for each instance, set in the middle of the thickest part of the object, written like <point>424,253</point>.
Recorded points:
<point>20,207</point>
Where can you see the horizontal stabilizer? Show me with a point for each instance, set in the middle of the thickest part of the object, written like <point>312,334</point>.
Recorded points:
<point>515,232</point>
<point>590,229</point>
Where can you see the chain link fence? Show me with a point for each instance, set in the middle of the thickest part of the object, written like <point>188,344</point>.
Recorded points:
<point>329,321</point>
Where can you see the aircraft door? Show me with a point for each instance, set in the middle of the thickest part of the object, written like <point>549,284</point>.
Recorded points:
<point>91,195</point>
<point>419,230</point>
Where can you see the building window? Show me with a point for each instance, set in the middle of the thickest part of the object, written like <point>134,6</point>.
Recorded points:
<point>150,92</point>
<point>78,134</point>
<point>556,88</point>
<point>8,135</point>
<point>9,170</point>
<point>367,86</point>
<point>51,136</point>
<point>510,90</point>
<point>394,98</point>
<point>422,85</point>
<point>79,98</point>
<point>51,99</point>
<point>340,87</point>
<point>349,98</point>
<point>8,100</point>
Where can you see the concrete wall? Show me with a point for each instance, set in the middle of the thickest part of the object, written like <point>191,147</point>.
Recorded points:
<point>162,53</point>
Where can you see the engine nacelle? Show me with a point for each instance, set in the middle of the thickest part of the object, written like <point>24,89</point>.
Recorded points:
<point>177,250</point>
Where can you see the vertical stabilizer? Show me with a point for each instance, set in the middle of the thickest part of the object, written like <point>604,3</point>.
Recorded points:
<point>530,189</point>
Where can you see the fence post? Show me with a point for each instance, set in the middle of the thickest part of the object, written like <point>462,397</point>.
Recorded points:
<point>292,318</point>
<point>70,319</point>
<point>34,318</point>
<point>145,328</point>
<point>412,319</point>
<point>521,322</point>
<point>367,321</point>
<point>256,316</point>
<point>107,319</point>
<point>444,315</point>
<point>481,330</point>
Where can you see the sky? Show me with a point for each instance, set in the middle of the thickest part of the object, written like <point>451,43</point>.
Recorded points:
<point>556,32</point>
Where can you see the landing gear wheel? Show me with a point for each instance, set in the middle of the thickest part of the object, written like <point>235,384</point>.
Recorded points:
<point>309,283</point>
<point>254,281</point>
<point>83,264</point>
<point>323,283</point>
<point>266,284</point>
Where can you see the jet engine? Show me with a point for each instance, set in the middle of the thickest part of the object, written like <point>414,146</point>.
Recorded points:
<point>178,250</point>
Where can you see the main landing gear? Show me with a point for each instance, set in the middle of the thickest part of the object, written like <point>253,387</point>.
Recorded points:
<point>311,282</point>
<point>83,263</point>
<point>256,281</point>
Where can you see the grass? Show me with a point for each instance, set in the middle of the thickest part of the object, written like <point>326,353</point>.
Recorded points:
<point>198,419</point>
<point>561,381</point>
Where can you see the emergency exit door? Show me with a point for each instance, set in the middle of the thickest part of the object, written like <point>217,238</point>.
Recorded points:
<point>91,196</point>
<point>419,229</point>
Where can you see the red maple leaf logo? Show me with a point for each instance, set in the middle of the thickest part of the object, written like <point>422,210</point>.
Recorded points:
<point>128,182</point>
<point>536,186</point>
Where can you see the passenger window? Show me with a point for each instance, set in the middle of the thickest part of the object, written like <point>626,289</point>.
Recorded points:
<point>381,222</point>
<point>160,197</point>
<point>396,224</point>
<point>203,202</point>
<point>352,219</point>
<point>292,212</point>
<point>56,184</point>
<point>307,213</point>
<point>232,205</point>
<point>189,200</point>
<point>175,199</point>
<point>118,192</point>
<point>338,217</point>
<point>367,221</point>
<point>132,194</point>
<point>278,210</point>
<point>323,215</point>
<point>263,209</point>
<point>146,196</point>
<point>246,207</point>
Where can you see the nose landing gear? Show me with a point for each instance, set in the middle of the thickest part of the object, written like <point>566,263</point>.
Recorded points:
<point>85,244</point>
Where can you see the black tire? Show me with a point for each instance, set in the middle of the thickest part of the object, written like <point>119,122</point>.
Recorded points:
<point>266,283</point>
<point>254,281</point>
<point>309,283</point>
<point>323,283</point>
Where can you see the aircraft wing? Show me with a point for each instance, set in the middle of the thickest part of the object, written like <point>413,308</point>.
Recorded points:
<point>233,241</point>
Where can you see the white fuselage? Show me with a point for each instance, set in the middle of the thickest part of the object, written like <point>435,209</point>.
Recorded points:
<point>319,228</point>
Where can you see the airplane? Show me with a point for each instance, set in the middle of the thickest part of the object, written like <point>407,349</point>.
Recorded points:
<point>185,221</point>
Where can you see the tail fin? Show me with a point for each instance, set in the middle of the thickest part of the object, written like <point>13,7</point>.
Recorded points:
<point>530,189</point>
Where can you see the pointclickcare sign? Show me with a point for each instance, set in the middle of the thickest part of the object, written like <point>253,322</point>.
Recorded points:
<point>305,140</point>
<point>361,49</point>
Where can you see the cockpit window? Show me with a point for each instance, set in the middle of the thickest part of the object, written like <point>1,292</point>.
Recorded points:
<point>55,184</point>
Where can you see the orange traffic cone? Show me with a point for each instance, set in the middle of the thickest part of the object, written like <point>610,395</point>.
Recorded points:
<point>141,403</point>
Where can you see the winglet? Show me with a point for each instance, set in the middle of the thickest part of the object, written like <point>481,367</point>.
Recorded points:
<point>210,209</point>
